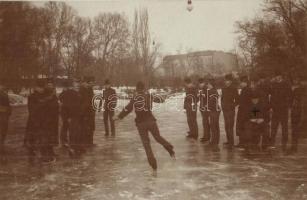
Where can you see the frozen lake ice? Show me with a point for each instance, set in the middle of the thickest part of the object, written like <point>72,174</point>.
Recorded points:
<point>117,168</point>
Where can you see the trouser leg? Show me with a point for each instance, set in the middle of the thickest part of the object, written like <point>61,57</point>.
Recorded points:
<point>92,128</point>
<point>229,125</point>
<point>256,137</point>
<point>295,136</point>
<point>295,122</point>
<point>248,135</point>
<point>91,137</point>
<point>274,127</point>
<point>64,130</point>
<point>85,131</point>
<point>226,124</point>
<point>266,136</point>
<point>70,131</point>
<point>206,125</point>
<point>32,143</point>
<point>240,132</point>
<point>75,134</point>
<point>240,127</point>
<point>214,127</point>
<point>112,123</point>
<point>83,136</point>
<point>45,145</point>
<point>106,123</point>
<point>189,121</point>
<point>27,132</point>
<point>195,125</point>
<point>143,131</point>
<point>284,128</point>
<point>3,132</point>
<point>153,128</point>
<point>232,122</point>
<point>192,122</point>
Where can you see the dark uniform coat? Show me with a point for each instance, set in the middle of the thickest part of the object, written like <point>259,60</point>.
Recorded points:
<point>51,122</point>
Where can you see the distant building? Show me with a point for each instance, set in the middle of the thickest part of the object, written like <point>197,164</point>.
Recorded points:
<point>198,63</point>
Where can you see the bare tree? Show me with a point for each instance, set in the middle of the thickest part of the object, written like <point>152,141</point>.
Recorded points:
<point>246,43</point>
<point>276,40</point>
<point>145,50</point>
<point>20,39</point>
<point>111,36</point>
<point>57,20</point>
<point>78,45</point>
<point>292,14</point>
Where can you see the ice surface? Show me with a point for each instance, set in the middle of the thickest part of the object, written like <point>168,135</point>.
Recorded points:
<point>117,168</point>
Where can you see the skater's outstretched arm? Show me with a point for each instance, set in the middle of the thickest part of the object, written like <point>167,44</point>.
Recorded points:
<point>128,109</point>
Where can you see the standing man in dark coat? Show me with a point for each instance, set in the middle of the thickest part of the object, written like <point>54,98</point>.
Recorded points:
<point>36,118</point>
<point>87,111</point>
<point>190,106</point>
<point>210,108</point>
<point>263,88</point>
<point>280,103</point>
<point>50,138</point>
<point>229,102</point>
<point>5,112</point>
<point>91,83</point>
<point>244,102</point>
<point>66,99</point>
<point>110,101</point>
<point>74,112</point>
<point>145,121</point>
<point>296,112</point>
<point>54,107</point>
<point>203,99</point>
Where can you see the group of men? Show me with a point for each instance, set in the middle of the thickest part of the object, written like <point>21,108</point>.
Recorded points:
<point>262,105</point>
<point>74,105</point>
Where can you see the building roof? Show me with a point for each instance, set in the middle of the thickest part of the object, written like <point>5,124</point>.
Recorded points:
<point>196,53</point>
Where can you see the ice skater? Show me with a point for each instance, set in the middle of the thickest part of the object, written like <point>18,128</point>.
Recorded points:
<point>146,122</point>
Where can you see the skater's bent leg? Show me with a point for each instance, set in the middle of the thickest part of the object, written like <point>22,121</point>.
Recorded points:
<point>143,131</point>
<point>156,134</point>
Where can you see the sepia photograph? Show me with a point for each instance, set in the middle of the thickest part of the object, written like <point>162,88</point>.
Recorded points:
<point>153,100</point>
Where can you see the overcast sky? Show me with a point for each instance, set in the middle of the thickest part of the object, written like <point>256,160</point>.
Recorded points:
<point>210,26</point>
